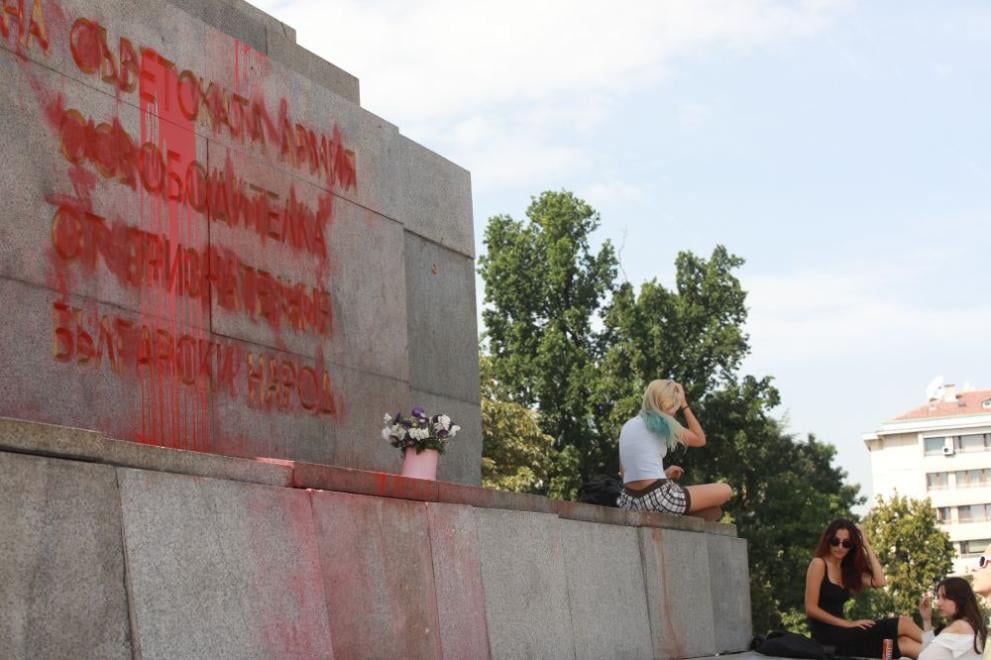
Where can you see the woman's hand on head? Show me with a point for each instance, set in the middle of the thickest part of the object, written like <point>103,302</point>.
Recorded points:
<point>680,393</point>
<point>863,624</point>
<point>674,472</point>
<point>863,535</point>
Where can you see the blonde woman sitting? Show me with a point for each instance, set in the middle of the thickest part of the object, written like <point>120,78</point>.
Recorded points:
<point>643,443</point>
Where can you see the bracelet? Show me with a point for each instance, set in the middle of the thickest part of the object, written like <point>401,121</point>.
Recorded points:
<point>683,408</point>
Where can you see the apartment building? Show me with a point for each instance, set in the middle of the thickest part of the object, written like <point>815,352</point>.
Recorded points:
<point>942,450</point>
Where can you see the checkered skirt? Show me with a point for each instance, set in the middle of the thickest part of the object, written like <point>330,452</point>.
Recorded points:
<point>664,496</point>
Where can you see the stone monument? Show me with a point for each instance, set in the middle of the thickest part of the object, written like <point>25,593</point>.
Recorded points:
<point>211,256</point>
<point>207,244</point>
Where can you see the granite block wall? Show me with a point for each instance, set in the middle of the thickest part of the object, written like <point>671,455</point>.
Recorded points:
<point>207,244</point>
<point>148,552</point>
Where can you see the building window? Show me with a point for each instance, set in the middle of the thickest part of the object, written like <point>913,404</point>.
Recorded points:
<point>974,513</point>
<point>973,442</point>
<point>943,513</point>
<point>973,478</point>
<point>974,547</point>
<point>937,480</point>
<point>934,446</point>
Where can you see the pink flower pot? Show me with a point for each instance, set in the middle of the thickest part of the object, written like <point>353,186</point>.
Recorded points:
<point>420,466</point>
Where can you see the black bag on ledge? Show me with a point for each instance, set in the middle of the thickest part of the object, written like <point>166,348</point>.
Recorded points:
<point>600,489</point>
<point>788,645</point>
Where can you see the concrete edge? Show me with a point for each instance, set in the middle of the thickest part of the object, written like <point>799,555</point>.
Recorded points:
<point>41,439</point>
<point>17,436</point>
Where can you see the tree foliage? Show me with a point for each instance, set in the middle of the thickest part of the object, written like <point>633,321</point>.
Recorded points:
<point>566,342</point>
<point>516,454</point>
<point>913,551</point>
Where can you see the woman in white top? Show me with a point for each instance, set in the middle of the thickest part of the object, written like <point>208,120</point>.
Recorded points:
<point>965,635</point>
<point>643,443</point>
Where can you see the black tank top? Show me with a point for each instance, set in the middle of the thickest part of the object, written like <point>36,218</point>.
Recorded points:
<point>832,597</point>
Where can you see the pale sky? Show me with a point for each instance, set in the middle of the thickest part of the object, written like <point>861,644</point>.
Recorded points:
<point>842,148</point>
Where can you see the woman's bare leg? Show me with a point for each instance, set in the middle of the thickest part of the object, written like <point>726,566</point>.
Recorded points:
<point>908,628</point>
<point>707,496</point>
<point>909,647</point>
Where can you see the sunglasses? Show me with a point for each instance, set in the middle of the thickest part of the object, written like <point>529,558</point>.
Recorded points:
<point>983,561</point>
<point>846,543</point>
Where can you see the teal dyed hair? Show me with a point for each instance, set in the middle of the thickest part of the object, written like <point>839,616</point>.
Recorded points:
<point>662,426</point>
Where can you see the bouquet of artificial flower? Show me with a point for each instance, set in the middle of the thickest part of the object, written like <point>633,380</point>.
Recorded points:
<point>418,431</point>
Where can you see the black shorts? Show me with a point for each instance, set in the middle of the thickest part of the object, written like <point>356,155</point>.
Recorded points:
<point>663,496</point>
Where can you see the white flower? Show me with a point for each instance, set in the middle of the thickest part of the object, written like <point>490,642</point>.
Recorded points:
<point>385,434</point>
<point>454,431</point>
<point>387,419</point>
<point>444,420</point>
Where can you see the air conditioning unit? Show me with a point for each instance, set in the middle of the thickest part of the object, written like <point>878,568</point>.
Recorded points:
<point>948,447</point>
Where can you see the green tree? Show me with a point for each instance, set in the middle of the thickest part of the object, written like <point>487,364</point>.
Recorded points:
<point>564,340</point>
<point>544,289</point>
<point>516,454</point>
<point>913,551</point>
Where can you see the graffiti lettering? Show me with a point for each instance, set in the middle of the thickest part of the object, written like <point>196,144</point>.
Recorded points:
<point>283,384</point>
<point>222,195</point>
<point>141,259</point>
<point>136,347</point>
<point>245,121</point>
<point>29,25</point>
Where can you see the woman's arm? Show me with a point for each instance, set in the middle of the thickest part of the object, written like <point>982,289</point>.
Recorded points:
<point>693,436</point>
<point>877,578</point>
<point>813,582</point>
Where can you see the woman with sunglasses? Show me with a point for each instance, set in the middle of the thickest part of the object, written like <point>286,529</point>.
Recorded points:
<point>965,635</point>
<point>843,566</point>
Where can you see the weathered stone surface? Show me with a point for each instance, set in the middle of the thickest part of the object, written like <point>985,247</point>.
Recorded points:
<point>60,213</point>
<point>356,266</point>
<point>436,198</point>
<point>230,19</point>
<point>606,591</point>
<point>458,581</point>
<point>526,589</point>
<point>287,52</point>
<point>729,578</point>
<point>666,520</point>
<point>488,498</point>
<point>593,513</point>
<point>377,576</point>
<point>270,22</point>
<point>357,437</point>
<point>720,529</point>
<point>679,599</point>
<point>443,337</point>
<point>46,379</point>
<point>62,575</point>
<point>25,437</point>
<point>219,569</point>
<point>359,482</point>
<point>460,462</point>
<point>172,148</point>
<point>67,442</point>
<point>750,655</point>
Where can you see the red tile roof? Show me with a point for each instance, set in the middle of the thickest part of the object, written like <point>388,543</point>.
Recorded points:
<point>968,403</point>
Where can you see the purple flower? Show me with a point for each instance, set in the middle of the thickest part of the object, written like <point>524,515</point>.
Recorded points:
<point>419,413</point>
